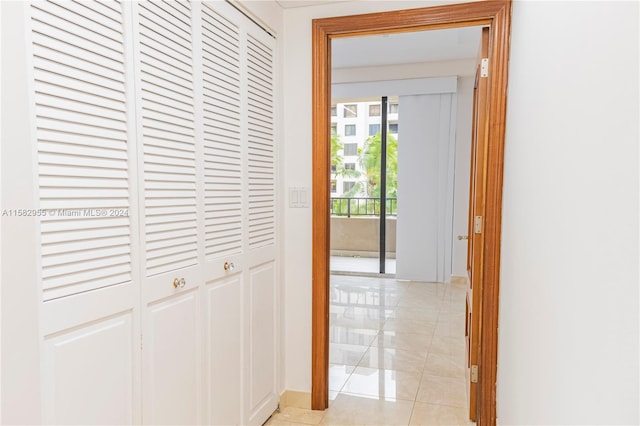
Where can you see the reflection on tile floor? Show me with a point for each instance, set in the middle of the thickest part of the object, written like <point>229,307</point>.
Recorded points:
<point>396,355</point>
<point>357,264</point>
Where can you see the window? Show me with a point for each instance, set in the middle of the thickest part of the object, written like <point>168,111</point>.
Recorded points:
<point>333,168</point>
<point>334,129</point>
<point>393,127</point>
<point>350,110</point>
<point>393,108</point>
<point>349,166</point>
<point>334,185</point>
<point>349,129</point>
<point>347,186</point>
<point>350,149</point>
<point>374,110</point>
<point>373,129</point>
<point>334,111</point>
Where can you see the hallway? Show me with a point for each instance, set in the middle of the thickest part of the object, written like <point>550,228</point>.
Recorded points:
<point>397,355</point>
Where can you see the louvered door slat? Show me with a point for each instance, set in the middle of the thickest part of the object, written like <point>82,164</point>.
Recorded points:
<point>222,143</point>
<point>261,161</point>
<point>168,132</point>
<point>83,146</point>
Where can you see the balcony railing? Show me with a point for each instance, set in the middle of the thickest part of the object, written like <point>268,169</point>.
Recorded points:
<point>361,206</point>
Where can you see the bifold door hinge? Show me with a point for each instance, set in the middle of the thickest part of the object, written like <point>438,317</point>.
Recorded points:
<point>484,67</point>
<point>478,225</point>
<point>474,374</point>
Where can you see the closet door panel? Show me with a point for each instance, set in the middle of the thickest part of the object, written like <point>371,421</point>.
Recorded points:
<point>83,146</point>
<point>170,220</point>
<point>171,343</point>
<point>86,175</point>
<point>224,208</point>
<point>260,142</point>
<point>260,226</point>
<point>224,337</point>
<point>262,343</point>
<point>223,132</point>
<point>167,128</point>
<point>89,373</point>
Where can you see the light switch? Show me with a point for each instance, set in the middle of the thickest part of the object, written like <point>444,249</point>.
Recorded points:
<point>303,197</point>
<point>293,197</point>
<point>299,197</point>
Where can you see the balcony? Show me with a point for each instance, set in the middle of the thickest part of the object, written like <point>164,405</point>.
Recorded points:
<point>355,227</point>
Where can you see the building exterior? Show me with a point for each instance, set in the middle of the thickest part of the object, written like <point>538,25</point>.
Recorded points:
<point>354,122</point>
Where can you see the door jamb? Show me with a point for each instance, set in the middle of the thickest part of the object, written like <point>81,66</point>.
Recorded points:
<point>496,15</point>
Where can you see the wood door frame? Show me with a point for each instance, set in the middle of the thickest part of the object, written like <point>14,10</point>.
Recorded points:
<point>497,16</point>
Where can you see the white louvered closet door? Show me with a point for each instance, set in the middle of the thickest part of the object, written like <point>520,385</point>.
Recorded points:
<point>260,224</point>
<point>87,176</point>
<point>239,190</point>
<point>224,186</point>
<point>171,208</point>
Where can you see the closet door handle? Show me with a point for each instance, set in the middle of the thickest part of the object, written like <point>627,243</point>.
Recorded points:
<point>179,282</point>
<point>229,266</point>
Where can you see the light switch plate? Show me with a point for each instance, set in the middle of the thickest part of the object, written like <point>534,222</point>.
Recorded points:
<point>299,197</point>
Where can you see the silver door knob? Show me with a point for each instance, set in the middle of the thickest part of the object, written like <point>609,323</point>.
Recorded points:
<point>179,282</point>
<point>229,266</point>
<point>463,237</point>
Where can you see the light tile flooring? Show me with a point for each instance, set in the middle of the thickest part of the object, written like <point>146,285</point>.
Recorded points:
<point>396,355</point>
<point>355,265</point>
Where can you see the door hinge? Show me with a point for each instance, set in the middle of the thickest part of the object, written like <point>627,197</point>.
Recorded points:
<point>474,374</point>
<point>484,67</point>
<point>478,225</point>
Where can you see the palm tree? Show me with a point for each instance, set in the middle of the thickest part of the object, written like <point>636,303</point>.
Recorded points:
<point>370,162</point>
<point>337,165</point>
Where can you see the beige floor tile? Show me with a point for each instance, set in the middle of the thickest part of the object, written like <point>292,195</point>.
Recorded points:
<point>360,410</point>
<point>435,415</point>
<point>393,359</point>
<point>338,375</point>
<point>407,341</point>
<point>340,353</point>
<point>428,314</point>
<point>413,342</point>
<point>357,312</point>
<point>448,345</point>
<point>352,336</point>
<point>273,421</point>
<point>383,383</point>
<point>444,366</point>
<point>448,330</point>
<point>293,415</point>
<point>443,391</point>
<point>410,326</point>
<point>417,302</point>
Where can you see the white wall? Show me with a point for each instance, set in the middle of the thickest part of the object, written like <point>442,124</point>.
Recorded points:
<point>568,341</point>
<point>569,298</point>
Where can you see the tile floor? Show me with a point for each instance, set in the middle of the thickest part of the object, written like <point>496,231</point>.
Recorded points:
<point>356,265</point>
<point>396,355</point>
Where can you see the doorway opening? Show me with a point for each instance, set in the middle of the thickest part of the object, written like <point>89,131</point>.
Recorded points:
<point>364,142</point>
<point>495,15</point>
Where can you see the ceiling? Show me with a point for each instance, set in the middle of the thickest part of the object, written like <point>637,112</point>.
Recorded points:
<point>401,48</point>
<point>406,48</point>
<point>287,4</point>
